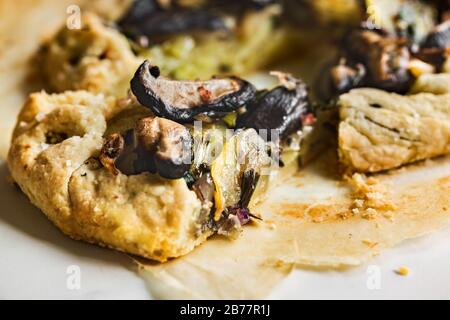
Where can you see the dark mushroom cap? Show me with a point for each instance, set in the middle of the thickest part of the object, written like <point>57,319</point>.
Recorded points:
<point>280,109</point>
<point>182,101</point>
<point>344,77</point>
<point>370,57</point>
<point>158,23</point>
<point>139,10</point>
<point>439,37</point>
<point>168,146</point>
<point>385,57</point>
<point>239,6</point>
<point>436,46</point>
<point>151,19</point>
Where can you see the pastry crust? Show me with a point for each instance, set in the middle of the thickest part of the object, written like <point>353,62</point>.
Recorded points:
<point>432,83</point>
<point>380,131</point>
<point>95,58</point>
<point>140,214</point>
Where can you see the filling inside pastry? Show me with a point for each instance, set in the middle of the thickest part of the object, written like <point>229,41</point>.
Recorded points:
<point>398,42</point>
<point>199,39</point>
<point>186,39</point>
<point>399,52</point>
<point>222,136</point>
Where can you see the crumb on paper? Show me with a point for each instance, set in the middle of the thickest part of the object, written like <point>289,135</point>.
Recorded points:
<point>271,225</point>
<point>358,203</point>
<point>369,214</point>
<point>346,214</point>
<point>388,215</point>
<point>370,196</point>
<point>369,243</point>
<point>402,271</point>
<point>318,219</point>
<point>371,181</point>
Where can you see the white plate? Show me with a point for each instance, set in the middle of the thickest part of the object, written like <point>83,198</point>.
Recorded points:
<point>36,258</point>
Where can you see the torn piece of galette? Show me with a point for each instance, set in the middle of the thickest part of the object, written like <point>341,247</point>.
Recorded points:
<point>95,58</point>
<point>187,40</point>
<point>381,130</point>
<point>157,173</point>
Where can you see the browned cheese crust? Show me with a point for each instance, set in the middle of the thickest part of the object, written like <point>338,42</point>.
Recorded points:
<point>53,160</point>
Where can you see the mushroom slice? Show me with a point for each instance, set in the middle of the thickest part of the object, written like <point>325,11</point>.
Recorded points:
<point>159,19</point>
<point>279,109</point>
<point>182,101</point>
<point>385,57</point>
<point>439,37</point>
<point>156,22</point>
<point>168,144</point>
<point>436,46</point>
<point>111,151</point>
<point>371,57</point>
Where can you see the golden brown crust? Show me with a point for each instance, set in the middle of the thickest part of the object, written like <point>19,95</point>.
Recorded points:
<point>141,214</point>
<point>94,58</point>
<point>380,131</point>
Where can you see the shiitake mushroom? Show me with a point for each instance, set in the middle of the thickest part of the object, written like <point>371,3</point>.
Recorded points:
<point>435,47</point>
<point>161,23</point>
<point>383,53</point>
<point>344,77</point>
<point>279,109</point>
<point>439,37</point>
<point>139,10</point>
<point>396,35</point>
<point>182,101</point>
<point>370,57</point>
<point>157,145</point>
<point>151,19</point>
<point>385,57</point>
<point>230,5</point>
<point>164,144</point>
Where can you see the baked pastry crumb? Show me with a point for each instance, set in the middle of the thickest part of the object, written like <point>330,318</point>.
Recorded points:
<point>370,196</point>
<point>403,271</point>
